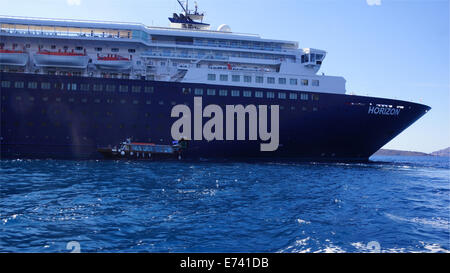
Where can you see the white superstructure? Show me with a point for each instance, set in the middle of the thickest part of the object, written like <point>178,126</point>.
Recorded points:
<point>186,52</point>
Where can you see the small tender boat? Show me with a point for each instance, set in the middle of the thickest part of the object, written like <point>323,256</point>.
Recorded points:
<point>144,151</point>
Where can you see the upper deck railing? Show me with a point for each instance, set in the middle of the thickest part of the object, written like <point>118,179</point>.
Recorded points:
<point>112,30</point>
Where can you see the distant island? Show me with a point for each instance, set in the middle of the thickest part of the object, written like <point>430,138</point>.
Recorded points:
<point>388,152</point>
<point>443,152</point>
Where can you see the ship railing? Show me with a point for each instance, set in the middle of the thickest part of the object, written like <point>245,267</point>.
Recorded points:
<point>63,34</point>
<point>203,30</point>
<point>186,56</point>
<point>272,50</point>
<point>20,19</point>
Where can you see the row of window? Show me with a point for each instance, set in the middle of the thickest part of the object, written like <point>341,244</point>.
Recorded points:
<point>80,87</point>
<point>173,103</point>
<point>147,115</point>
<point>85,100</point>
<point>256,94</point>
<point>77,48</point>
<point>115,49</point>
<point>150,89</point>
<point>109,126</point>
<point>260,79</point>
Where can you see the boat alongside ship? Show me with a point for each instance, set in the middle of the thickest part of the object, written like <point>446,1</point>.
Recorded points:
<point>75,86</point>
<point>144,151</point>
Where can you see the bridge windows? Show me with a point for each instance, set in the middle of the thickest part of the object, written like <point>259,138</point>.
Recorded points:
<point>305,58</point>
<point>259,79</point>
<point>304,82</point>
<point>270,80</point>
<point>224,78</point>
<point>293,81</point>
<point>282,81</point>
<point>248,79</point>
<point>313,58</point>
<point>236,78</point>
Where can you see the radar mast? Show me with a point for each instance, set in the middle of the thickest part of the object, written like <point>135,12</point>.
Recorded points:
<point>189,19</point>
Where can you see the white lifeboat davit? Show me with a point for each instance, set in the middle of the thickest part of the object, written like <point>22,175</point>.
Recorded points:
<point>113,62</point>
<point>61,59</point>
<point>13,57</point>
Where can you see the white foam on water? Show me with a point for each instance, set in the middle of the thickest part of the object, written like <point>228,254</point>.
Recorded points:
<point>435,222</point>
<point>331,249</point>
<point>301,221</point>
<point>435,248</point>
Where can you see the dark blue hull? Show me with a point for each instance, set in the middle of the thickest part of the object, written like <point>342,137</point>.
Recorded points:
<point>61,123</point>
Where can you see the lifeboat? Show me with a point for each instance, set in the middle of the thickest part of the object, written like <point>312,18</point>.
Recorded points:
<point>13,57</point>
<point>61,59</point>
<point>113,62</point>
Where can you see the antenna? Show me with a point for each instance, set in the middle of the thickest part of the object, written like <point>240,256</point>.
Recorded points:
<point>182,6</point>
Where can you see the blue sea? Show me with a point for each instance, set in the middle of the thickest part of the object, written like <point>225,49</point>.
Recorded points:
<point>392,204</point>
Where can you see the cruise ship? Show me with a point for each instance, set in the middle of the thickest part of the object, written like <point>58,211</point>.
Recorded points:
<point>69,87</point>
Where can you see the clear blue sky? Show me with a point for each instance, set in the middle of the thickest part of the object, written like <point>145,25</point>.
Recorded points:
<point>393,48</point>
